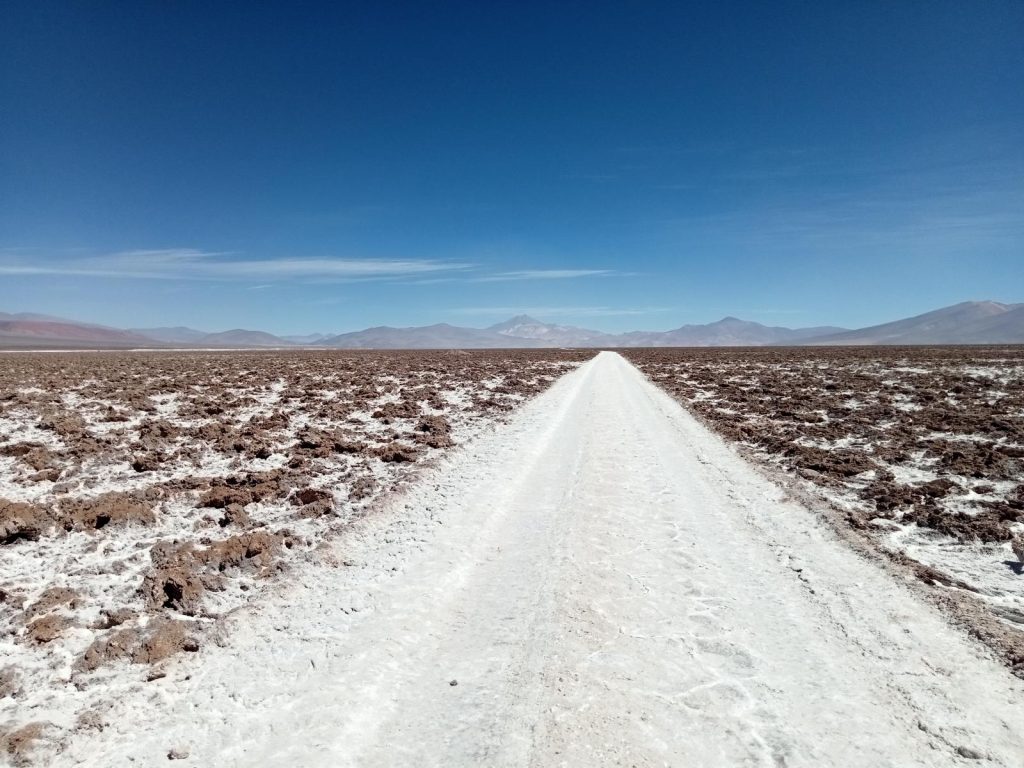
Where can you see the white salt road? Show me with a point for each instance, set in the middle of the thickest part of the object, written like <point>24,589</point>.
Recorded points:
<point>609,584</point>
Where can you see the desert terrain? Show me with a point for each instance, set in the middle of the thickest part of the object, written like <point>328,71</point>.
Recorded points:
<point>532,557</point>
<point>145,496</point>
<point>920,448</point>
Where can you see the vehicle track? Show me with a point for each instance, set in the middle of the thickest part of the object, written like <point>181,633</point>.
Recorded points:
<point>600,581</point>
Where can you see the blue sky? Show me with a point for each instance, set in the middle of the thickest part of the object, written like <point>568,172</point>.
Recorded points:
<point>301,167</point>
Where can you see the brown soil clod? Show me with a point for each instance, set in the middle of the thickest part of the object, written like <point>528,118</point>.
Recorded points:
<point>159,640</point>
<point>183,573</point>
<point>390,412</point>
<point>434,432</point>
<point>394,453</point>
<point>148,462</point>
<point>174,587</point>
<point>313,501</point>
<point>312,496</point>
<point>235,514</point>
<point>361,488</point>
<point>223,496</point>
<point>22,521</point>
<point>115,617</point>
<point>19,743</point>
<point>46,628</point>
<point>108,509</point>
<point>52,597</point>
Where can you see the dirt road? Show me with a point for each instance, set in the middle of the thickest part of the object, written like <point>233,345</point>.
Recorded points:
<point>600,581</point>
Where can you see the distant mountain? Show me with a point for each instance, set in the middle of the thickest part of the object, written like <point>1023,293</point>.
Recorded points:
<point>727,332</point>
<point>528,328</point>
<point>72,333</point>
<point>242,338</point>
<point>310,339</point>
<point>440,336</point>
<point>236,338</point>
<point>971,322</point>
<point>26,330</point>
<point>1007,328</point>
<point>526,331</point>
<point>177,335</point>
<point>6,317</point>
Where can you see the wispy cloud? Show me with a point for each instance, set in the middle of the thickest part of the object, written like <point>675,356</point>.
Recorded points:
<point>192,264</point>
<point>546,274</point>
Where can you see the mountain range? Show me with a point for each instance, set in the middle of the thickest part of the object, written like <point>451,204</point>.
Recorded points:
<point>970,322</point>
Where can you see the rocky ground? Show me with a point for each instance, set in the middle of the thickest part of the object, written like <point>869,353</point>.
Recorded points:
<point>921,447</point>
<point>144,496</point>
<point>599,581</point>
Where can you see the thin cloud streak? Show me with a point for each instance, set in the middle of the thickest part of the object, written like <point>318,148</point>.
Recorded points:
<point>545,274</point>
<point>195,264</point>
<point>192,264</point>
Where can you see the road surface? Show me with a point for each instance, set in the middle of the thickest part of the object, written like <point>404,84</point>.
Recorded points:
<point>600,581</point>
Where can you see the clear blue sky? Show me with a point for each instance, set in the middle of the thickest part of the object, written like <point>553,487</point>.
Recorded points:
<point>300,167</point>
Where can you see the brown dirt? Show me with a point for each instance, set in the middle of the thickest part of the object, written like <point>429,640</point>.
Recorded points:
<point>46,628</point>
<point>22,521</point>
<point>52,597</point>
<point>159,640</point>
<point>17,744</point>
<point>109,509</point>
<point>394,453</point>
<point>434,432</point>
<point>181,573</point>
<point>313,502</point>
<point>115,617</point>
<point>235,515</point>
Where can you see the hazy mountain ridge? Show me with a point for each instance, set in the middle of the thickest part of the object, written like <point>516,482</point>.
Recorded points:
<point>46,330</point>
<point>727,332</point>
<point>240,337</point>
<point>307,339</point>
<point>440,335</point>
<point>176,335</point>
<point>528,328</point>
<point>970,322</point>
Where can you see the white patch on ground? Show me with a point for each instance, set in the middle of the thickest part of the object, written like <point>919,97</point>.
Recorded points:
<point>992,569</point>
